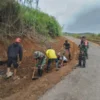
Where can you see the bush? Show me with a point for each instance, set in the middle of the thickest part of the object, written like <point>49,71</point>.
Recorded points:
<point>43,23</point>
<point>15,18</point>
<point>9,16</point>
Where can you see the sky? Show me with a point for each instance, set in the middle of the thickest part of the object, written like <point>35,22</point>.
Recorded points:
<point>75,16</point>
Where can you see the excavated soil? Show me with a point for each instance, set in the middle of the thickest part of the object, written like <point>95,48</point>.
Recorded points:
<point>25,88</point>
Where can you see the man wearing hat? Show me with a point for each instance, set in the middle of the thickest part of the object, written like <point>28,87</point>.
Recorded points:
<point>40,61</point>
<point>14,53</point>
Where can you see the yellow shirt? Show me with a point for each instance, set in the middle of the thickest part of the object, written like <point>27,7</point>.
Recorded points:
<point>51,54</point>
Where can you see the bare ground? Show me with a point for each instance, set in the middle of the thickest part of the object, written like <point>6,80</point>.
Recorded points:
<point>25,88</point>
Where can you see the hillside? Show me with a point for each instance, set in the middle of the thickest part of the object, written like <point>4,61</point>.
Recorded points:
<point>37,30</point>
<point>17,19</point>
<point>16,90</point>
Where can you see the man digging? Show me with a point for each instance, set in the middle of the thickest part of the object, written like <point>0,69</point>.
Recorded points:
<point>40,61</point>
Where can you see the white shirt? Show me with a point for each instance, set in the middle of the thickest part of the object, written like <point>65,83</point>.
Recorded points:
<point>63,58</point>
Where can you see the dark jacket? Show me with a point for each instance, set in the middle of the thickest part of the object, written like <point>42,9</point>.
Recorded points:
<point>66,45</point>
<point>15,50</point>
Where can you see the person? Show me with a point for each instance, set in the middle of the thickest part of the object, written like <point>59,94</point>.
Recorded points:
<point>51,54</point>
<point>82,55</point>
<point>61,59</point>
<point>82,40</point>
<point>86,43</point>
<point>82,59</point>
<point>40,62</point>
<point>67,48</point>
<point>14,53</point>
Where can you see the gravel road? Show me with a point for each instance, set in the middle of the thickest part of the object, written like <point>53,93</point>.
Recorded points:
<point>82,83</point>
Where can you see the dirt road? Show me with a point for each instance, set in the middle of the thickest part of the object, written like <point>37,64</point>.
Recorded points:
<point>82,83</point>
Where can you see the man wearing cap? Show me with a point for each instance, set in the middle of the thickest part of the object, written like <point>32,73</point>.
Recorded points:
<point>40,61</point>
<point>14,53</point>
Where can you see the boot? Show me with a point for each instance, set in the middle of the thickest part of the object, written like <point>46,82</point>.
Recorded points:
<point>40,72</point>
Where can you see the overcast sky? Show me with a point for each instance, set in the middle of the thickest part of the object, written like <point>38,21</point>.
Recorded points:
<point>74,15</point>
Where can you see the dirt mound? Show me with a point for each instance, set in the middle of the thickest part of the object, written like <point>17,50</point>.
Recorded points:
<point>25,88</point>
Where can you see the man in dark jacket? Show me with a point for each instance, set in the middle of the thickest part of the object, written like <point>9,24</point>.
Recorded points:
<point>14,55</point>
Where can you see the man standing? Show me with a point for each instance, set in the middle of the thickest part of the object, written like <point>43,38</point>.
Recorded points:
<point>14,53</point>
<point>67,48</point>
<point>82,56</point>
<point>85,42</point>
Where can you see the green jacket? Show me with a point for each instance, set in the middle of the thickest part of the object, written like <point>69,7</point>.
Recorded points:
<point>83,48</point>
<point>41,63</point>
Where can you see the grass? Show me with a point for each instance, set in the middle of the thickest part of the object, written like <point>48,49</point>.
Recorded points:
<point>15,18</point>
<point>90,36</point>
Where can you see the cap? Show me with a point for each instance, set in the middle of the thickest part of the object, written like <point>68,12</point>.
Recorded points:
<point>18,40</point>
<point>36,54</point>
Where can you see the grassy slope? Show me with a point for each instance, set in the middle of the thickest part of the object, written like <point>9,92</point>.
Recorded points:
<point>18,19</point>
<point>91,37</point>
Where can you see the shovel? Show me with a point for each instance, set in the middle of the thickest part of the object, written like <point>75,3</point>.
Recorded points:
<point>33,75</point>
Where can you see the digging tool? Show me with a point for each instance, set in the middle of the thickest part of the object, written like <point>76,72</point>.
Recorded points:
<point>33,75</point>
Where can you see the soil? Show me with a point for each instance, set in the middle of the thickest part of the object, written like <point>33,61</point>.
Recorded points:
<point>25,88</point>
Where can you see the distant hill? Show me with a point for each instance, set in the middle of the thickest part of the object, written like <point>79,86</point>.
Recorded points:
<point>90,36</point>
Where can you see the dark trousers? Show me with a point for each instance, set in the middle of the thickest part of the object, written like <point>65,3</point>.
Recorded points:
<point>82,62</point>
<point>87,53</point>
<point>69,54</point>
<point>40,72</point>
<point>49,63</point>
<point>12,61</point>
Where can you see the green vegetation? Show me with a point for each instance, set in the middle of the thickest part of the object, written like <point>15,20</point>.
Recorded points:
<point>9,16</point>
<point>17,18</point>
<point>43,23</point>
<point>90,36</point>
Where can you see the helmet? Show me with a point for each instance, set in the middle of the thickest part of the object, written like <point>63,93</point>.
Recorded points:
<point>18,40</point>
<point>38,54</point>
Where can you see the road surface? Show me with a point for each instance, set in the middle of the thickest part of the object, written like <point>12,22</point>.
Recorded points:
<point>82,83</point>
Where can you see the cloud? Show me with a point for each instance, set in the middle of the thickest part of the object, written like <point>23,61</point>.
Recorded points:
<point>87,22</point>
<point>67,11</point>
<point>61,9</point>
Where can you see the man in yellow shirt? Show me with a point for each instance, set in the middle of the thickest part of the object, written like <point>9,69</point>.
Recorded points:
<point>51,54</point>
